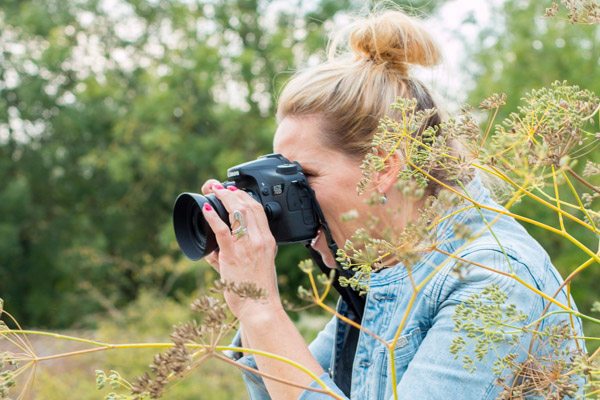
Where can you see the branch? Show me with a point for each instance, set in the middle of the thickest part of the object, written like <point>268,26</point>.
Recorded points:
<point>582,181</point>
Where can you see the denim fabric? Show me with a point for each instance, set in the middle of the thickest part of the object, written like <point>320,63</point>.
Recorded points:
<point>425,368</point>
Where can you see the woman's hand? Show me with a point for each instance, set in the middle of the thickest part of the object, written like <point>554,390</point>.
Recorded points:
<point>246,258</point>
<point>251,257</point>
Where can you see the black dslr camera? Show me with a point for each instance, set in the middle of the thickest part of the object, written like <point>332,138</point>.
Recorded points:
<point>278,184</point>
<point>291,207</point>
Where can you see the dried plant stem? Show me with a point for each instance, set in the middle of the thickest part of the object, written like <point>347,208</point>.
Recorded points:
<point>347,320</point>
<point>565,203</point>
<point>520,217</point>
<point>272,377</point>
<point>25,344</point>
<point>570,312</point>
<point>560,217</point>
<point>592,114</point>
<point>595,354</point>
<point>439,221</point>
<point>509,275</point>
<point>540,200</point>
<point>392,345</point>
<point>571,315</point>
<point>575,273</point>
<point>567,281</point>
<point>488,127</point>
<point>108,346</point>
<point>582,181</point>
<point>28,383</point>
<point>581,207</point>
<point>56,335</point>
<point>316,291</point>
<point>111,347</point>
<point>283,359</point>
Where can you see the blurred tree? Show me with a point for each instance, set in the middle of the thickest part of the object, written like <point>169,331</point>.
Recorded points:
<point>109,109</point>
<point>522,50</point>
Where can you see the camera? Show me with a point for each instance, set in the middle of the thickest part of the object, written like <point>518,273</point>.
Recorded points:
<point>278,184</point>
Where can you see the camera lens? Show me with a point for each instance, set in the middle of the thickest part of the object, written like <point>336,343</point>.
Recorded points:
<point>194,236</point>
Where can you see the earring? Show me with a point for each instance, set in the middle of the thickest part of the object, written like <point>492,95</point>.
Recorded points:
<point>383,198</point>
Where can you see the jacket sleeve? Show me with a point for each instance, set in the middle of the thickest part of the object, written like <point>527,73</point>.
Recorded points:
<point>321,348</point>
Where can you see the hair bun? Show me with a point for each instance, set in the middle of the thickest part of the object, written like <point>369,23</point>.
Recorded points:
<point>395,40</point>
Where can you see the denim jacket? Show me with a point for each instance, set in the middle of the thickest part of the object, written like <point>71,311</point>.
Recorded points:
<point>425,367</point>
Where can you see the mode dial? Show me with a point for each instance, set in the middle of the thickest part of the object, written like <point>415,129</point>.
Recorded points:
<point>287,169</point>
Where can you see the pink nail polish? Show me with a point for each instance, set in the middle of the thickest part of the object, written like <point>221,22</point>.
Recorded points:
<point>217,186</point>
<point>207,207</point>
<point>232,188</point>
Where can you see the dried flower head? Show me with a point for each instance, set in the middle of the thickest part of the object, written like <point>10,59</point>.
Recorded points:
<point>543,374</point>
<point>551,11</point>
<point>483,319</point>
<point>494,101</point>
<point>165,368</point>
<point>244,289</point>
<point>8,363</point>
<point>188,332</point>
<point>579,11</point>
<point>551,129</point>
<point>591,169</point>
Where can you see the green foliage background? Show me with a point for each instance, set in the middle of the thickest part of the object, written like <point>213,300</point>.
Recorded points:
<point>106,114</point>
<point>108,110</point>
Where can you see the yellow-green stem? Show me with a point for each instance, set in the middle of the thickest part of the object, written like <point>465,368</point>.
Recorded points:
<point>396,337</point>
<point>519,217</point>
<point>268,376</point>
<point>560,217</point>
<point>581,207</point>
<point>348,321</point>
<point>282,359</point>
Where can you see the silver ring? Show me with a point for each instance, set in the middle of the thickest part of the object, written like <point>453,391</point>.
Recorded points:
<point>240,230</point>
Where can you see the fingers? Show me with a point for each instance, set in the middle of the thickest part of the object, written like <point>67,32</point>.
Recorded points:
<point>220,229</point>
<point>254,214</point>
<point>234,199</point>
<point>257,240</point>
<point>208,185</point>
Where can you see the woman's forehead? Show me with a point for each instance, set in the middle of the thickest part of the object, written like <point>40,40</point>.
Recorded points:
<point>298,138</point>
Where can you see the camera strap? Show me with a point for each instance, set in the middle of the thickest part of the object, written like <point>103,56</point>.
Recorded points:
<point>349,295</point>
<point>354,301</point>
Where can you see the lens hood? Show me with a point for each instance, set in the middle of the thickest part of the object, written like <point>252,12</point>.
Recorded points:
<point>194,235</point>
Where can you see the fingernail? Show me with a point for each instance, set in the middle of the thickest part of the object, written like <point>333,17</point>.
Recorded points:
<point>232,188</point>
<point>207,207</point>
<point>217,186</point>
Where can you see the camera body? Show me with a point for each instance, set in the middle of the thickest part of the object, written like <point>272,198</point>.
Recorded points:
<point>278,184</point>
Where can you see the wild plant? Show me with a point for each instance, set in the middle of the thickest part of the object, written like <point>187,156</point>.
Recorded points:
<point>539,152</point>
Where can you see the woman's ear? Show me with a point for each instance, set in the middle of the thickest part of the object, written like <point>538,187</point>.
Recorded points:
<point>385,179</point>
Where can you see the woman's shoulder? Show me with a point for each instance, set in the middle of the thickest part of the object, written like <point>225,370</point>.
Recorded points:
<point>508,266</point>
<point>486,244</point>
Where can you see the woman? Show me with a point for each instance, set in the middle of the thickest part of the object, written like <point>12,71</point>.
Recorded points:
<point>327,117</point>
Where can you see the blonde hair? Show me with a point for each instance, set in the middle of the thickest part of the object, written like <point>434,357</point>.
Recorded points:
<point>353,90</point>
